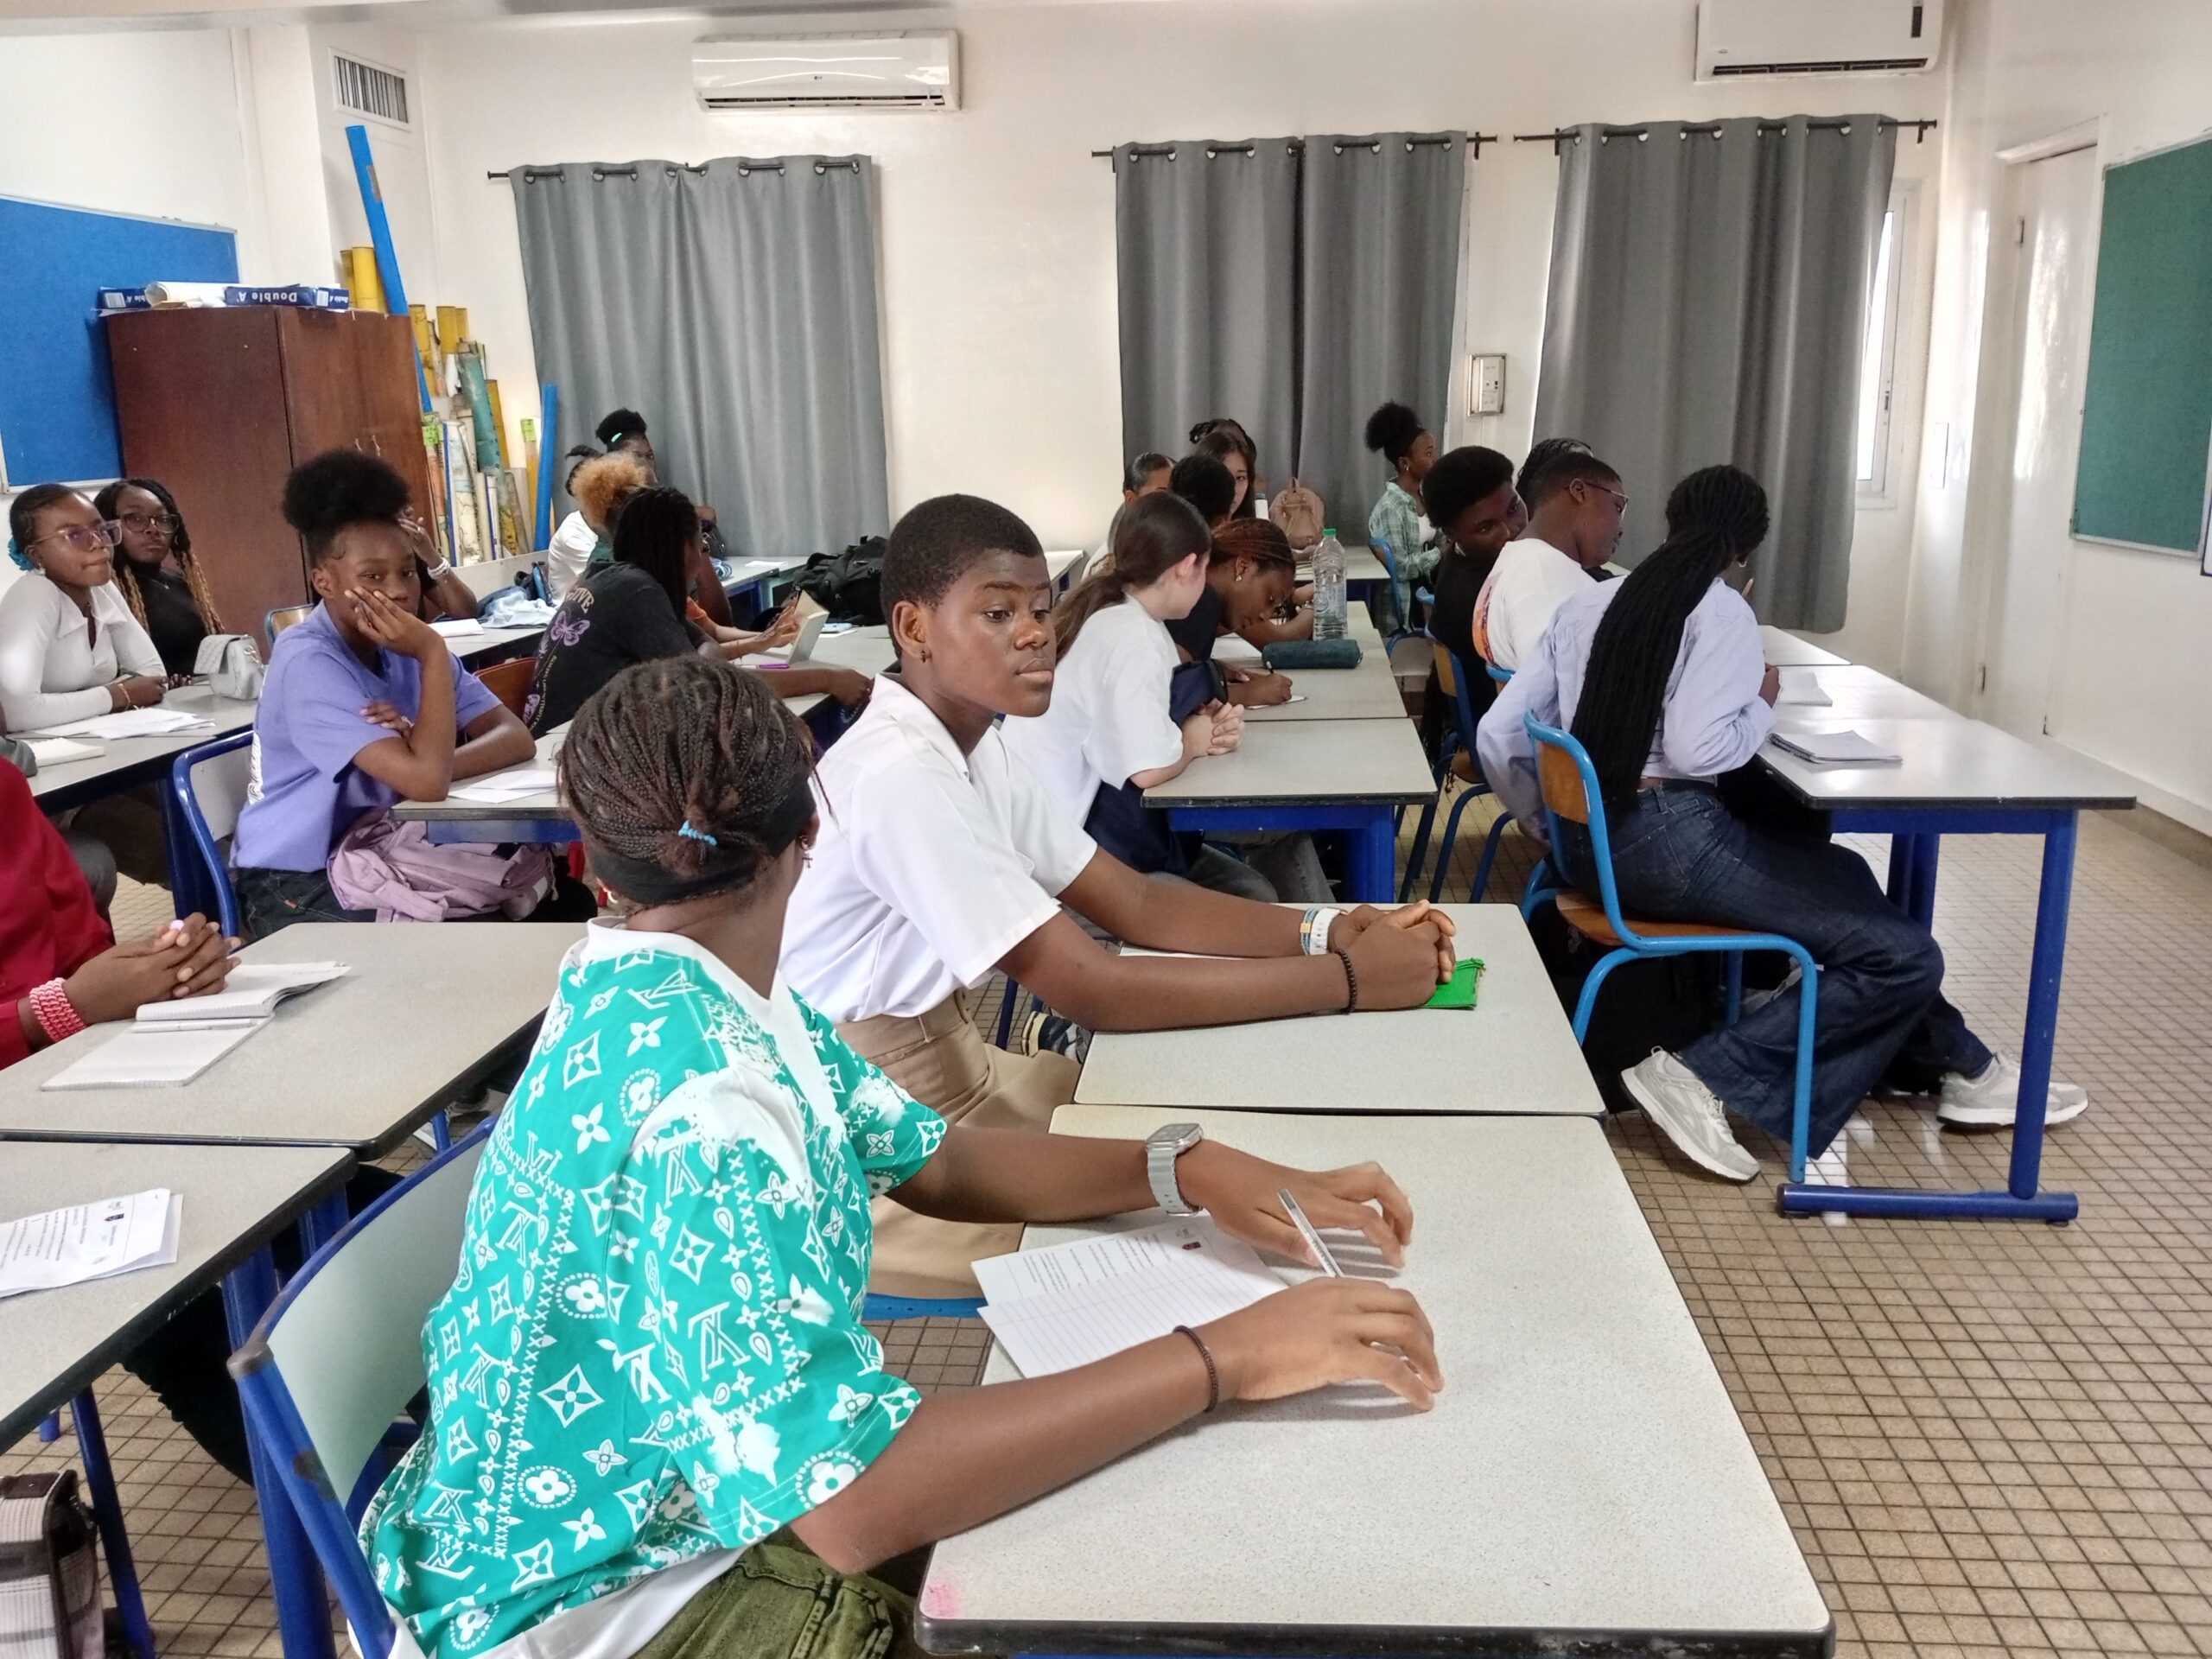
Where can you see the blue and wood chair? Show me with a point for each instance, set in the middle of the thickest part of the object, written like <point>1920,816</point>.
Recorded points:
<point>1458,763</point>
<point>1571,794</point>
<point>1404,629</point>
<point>209,784</point>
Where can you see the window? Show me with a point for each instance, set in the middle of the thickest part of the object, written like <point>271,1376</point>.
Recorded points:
<point>366,89</point>
<point>1877,367</point>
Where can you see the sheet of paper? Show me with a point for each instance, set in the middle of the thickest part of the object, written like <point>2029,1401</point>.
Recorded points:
<point>1070,1304</point>
<point>458,627</point>
<point>133,722</point>
<point>1834,746</point>
<point>90,1240</point>
<point>251,992</point>
<point>141,1056</point>
<point>60,751</point>
<point>510,785</point>
<point>1800,687</point>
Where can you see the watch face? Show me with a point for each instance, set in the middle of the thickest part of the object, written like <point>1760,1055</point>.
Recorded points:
<point>1180,1136</point>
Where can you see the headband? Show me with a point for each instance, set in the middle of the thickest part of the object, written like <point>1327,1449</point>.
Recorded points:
<point>727,868</point>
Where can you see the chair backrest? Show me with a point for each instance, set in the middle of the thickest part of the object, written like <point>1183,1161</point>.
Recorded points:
<point>1569,786</point>
<point>210,784</point>
<point>338,1357</point>
<point>1501,675</point>
<point>282,617</point>
<point>1380,546</point>
<point>510,682</point>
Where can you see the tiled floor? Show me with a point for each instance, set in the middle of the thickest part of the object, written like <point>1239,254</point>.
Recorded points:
<point>1991,1438</point>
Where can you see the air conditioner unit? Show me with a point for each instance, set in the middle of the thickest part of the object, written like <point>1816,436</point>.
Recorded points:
<point>829,72</point>
<point>1737,38</point>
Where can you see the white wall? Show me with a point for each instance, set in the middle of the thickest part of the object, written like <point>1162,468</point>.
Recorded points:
<point>401,156</point>
<point>997,226</point>
<point>2134,686</point>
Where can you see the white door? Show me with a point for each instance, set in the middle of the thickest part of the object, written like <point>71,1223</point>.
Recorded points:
<point>2026,634</point>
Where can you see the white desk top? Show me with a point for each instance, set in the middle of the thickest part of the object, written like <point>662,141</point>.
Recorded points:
<point>1857,693</point>
<point>1582,1479</point>
<point>1512,1053</point>
<point>54,1342</point>
<point>1954,763</point>
<point>865,651</point>
<point>494,642</point>
<point>546,804</point>
<point>1788,650</point>
<point>1326,761</point>
<point>744,572</point>
<point>1358,625</point>
<point>355,1064</point>
<point>133,760</point>
<point>1367,692</point>
<point>1362,565</point>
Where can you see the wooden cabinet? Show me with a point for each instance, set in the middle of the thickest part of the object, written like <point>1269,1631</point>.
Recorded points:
<point>220,405</point>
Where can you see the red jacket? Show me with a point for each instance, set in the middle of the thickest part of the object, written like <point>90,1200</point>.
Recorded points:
<point>48,928</point>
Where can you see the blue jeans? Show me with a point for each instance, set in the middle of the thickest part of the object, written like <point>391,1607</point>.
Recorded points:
<point>1680,855</point>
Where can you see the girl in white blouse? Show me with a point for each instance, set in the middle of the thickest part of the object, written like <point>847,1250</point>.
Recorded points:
<point>69,646</point>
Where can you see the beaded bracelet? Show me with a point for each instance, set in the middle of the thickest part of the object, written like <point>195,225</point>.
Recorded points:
<point>1351,980</point>
<point>1213,1376</point>
<point>57,1015</point>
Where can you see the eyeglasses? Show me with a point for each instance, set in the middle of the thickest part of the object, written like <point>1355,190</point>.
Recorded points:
<point>1620,500</point>
<point>83,538</point>
<point>149,524</point>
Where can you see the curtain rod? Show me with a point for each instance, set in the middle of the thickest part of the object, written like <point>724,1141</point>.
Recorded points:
<point>1569,134</point>
<point>744,169</point>
<point>1475,142</point>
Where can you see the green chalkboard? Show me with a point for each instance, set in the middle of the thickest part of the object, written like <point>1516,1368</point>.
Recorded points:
<point>2146,414</point>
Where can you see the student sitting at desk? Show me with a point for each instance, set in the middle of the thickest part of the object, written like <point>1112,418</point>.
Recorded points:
<point>1395,433</point>
<point>1218,437</point>
<point>942,858</point>
<point>631,610</point>
<point>571,548</point>
<point>1471,499</point>
<point>365,705</point>
<point>155,571</point>
<point>1115,726</point>
<point>694,1451</point>
<point>1663,678</point>
<point>1574,525</point>
<point>69,646</point>
<point>1147,475</point>
<point>1250,574</point>
<point>623,432</point>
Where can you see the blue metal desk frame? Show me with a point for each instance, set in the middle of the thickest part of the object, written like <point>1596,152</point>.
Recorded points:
<point>1371,861</point>
<point>1916,834</point>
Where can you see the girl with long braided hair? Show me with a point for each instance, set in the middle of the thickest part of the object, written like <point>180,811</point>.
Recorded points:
<point>676,1206</point>
<point>1663,680</point>
<point>173,605</point>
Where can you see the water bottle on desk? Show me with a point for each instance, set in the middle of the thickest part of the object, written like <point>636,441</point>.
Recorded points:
<point>1329,587</point>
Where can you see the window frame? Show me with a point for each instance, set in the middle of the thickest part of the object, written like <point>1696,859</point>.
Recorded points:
<point>1881,487</point>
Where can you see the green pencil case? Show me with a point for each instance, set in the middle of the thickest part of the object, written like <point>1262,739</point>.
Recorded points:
<point>1458,991</point>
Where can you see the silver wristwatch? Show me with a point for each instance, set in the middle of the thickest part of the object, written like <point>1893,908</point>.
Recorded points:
<point>1161,1148</point>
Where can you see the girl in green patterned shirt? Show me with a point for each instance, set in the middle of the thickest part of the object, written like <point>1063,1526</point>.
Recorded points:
<point>658,1426</point>
<point>1395,433</point>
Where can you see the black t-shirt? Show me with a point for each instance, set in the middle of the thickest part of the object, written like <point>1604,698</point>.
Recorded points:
<point>614,616</point>
<point>173,619</point>
<point>1457,584</point>
<point>1196,633</point>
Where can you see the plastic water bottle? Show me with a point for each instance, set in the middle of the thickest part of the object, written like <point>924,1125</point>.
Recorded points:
<point>1329,587</point>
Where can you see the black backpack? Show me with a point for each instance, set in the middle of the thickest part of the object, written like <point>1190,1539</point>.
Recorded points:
<point>848,585</point>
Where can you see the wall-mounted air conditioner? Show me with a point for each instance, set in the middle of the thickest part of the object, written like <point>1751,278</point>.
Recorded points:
<point>829,72</point>
<point>1738,38</point>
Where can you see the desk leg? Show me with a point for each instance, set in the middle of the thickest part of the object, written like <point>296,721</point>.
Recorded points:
<point>1920,898</point>
<point>1901,848</point>
<point>1371,859</point>
<point>2053,907</point>
<point>107,1514</point>
<point>296,1583</point>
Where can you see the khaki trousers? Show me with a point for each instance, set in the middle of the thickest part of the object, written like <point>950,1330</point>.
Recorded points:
<point>941,1060</point>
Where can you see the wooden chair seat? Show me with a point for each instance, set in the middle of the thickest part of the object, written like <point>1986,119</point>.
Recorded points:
<point>1587,917</point>
<point>1464,767</point>
<point>510,681</point>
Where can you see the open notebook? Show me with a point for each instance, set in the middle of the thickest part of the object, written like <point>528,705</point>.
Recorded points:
<point>171,1043</point>
<point>1068,1304</point>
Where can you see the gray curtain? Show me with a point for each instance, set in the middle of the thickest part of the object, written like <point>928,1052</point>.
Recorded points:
<point>1708,304</point>
<point>1379,223</point>
<point>1206,246</point>
<point>733,304</point>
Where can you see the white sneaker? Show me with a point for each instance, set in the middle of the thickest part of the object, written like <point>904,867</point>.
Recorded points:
<point>1689,1115</point>
<point>1990,1100</point>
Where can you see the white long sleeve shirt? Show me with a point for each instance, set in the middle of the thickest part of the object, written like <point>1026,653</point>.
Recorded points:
<point>53,669</point>
<point>1713,720</point>
<point>568,553</point>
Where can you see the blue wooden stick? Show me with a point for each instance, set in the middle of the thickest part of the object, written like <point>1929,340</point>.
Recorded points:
<point>394,291</point>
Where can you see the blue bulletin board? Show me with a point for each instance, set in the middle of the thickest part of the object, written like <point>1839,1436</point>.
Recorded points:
<point>57,405</point>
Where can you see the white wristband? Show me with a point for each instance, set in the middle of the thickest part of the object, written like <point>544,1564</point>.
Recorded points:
<point>1314,934</point>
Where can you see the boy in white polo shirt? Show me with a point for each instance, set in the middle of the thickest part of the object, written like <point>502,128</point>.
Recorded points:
<point>1575,504</point>
<point>942,859</point>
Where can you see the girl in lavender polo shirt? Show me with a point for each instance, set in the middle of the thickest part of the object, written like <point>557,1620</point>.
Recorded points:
<point>364,705</point>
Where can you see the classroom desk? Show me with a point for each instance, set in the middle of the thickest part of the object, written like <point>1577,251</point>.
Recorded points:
<point>1788,650</point>
<point>1312,774</point>
<point>758,576</point>
<point>425,1014</point>
<point>132,761</point>
<point>1367,692</point>
<point>55,1343</point>
<point>865,651</point>
<point>1582,1486</point>
<point>1364,568</point>
<point>1857,693</point>
<point>1962,776</point>
<point>1512,1054</point>
<point>496,645</point>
